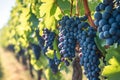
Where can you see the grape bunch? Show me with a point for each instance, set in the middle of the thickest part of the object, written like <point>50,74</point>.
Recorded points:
<point>49,39</point>
<point>67,39</point>
<point>40,39</point>
<point>107,17</point>
<point>90,52</point>
<point>37,50</point>
<point>73,30</point>
<point>54,63</point>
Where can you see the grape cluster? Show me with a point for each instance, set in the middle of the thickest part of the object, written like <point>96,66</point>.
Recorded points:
<point>40,39</point>
<point>49,39</point>
<point>84,34</point>
<point>21,51</point>
<point>90,57</point>
<point>67,39</point>
<point>107,17</point>
<point>74,30</point>
<point>36,49</point>
<point>54,63</point>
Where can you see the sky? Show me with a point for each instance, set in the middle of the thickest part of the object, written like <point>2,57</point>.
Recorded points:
<point>5,8</point>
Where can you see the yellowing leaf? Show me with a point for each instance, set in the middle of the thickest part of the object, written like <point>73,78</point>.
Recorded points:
<point>50,22</point>
<point>50,53</point>
<point>114,62</point>
<point>48,1</point>
<point>45,9</point>
<point>112,70</point>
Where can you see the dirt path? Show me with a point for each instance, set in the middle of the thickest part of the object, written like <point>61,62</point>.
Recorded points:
<point>11,68</point>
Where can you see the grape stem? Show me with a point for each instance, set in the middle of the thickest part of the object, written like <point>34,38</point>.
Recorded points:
<point>88,14</point>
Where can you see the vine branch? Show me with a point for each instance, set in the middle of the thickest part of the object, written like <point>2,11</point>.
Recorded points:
<point>88,13</point>
<point>77,70</point>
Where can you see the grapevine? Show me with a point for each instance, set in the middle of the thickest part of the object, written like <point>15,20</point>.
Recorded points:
<point>53,35</point>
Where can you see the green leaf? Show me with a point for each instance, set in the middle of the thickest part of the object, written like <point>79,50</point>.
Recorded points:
<point>53,9</point>
<point>39,64</point>
<point>52,76</point>
<point>63,67</point>
<point>64,5</point>
<point>33,20</point>
<point>50,22</point>
<point>50,53</point>
<point>112,70</point>
<point>100,44</point>
<point>113,51</point>
<point>45,8</point>
<point>55,47</point>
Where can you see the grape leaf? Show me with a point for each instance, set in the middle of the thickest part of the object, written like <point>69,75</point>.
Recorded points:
<point>64,5</point>
<point>55,47</point>
<point>46,7</point>
<point>50,53</point>
<point>112,70</point>
<point>33,19</point>
<point>53,9</point>
<point>40,63</point>
<point>100,44</point>
<point>63,67</point>
<point>50,22</point>
<point>113,51</point>
<point>51,76</point>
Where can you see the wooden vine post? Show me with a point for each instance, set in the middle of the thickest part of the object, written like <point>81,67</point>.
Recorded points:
<point>88,14</point>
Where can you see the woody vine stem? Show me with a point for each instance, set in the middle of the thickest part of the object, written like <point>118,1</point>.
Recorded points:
<point>88,13</point>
